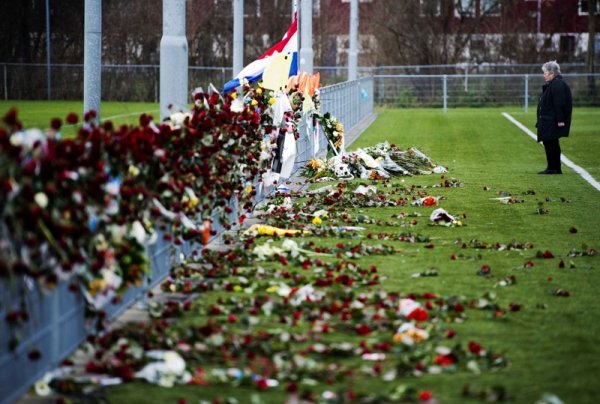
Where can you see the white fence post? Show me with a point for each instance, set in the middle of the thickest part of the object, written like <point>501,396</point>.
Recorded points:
<point>445,93</point>
<point>173,59</point>
<point>526,92</point>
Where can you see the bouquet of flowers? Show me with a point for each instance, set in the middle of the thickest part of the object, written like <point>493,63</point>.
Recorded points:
<point>317,168</point>
<point>334,132</point>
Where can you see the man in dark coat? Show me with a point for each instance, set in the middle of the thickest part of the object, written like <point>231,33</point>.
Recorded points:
<point>553,115</point>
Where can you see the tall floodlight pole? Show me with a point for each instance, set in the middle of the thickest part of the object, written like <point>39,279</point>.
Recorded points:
<point>92,53</point>
<point>238,36</point>
<point>353,52</point>
<point>48,51</point>
<point>306,50</point>
<point>173,59</point>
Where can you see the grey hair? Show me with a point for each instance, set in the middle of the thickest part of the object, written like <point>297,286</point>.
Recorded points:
<point>551,67</point>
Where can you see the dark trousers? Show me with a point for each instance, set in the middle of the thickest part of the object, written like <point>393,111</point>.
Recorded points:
<point>552,154</point>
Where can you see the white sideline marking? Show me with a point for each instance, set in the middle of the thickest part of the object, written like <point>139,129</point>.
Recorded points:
<point>108,118</point>
<point>584,174</point>
<point>129,114</point>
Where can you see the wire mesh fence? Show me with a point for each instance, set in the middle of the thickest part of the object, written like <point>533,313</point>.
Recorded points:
<point>436,86</point>
<point>477,90</point>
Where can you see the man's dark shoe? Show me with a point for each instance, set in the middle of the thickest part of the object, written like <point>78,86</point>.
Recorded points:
<point>550,171</point>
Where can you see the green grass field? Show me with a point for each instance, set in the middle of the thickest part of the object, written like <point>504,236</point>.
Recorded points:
<point>37,114</point>
<point>552,343</point>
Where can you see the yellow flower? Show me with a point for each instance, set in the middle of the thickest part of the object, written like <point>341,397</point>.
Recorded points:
<point>249,189</point>
<point>133,170</point>
<point>233,95</point>
<point>272,289</point>
<point>194,201</point>
<point>271,101</point>
<point>339,127</point>
<point>254,103</point>
<point>96,286</point>
<point>314,164</point>
<point>237,288</point>
<point>317,221</point>
<point>259,91</point>
<point>266,230</point>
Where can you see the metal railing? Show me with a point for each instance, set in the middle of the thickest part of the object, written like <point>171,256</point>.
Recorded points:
<point>484,84</point>
<point>57,324</point>
<point>477,90</point>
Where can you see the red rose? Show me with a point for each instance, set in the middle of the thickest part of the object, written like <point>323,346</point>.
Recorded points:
<point>55,123</point>
<point>363,329</point>
<point>425,395</point>
<point>72,118</point>
<point>475,348</point>
<point>418,314</point>
<point>262,384</point>
<point>444,360</point>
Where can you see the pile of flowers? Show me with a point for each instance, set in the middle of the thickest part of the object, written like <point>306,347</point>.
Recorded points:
<point>381,161</point>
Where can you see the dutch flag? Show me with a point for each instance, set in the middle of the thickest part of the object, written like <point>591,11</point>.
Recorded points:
<point>287,48</point>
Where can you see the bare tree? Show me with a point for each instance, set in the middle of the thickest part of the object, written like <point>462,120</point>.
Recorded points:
<point>425,32</point>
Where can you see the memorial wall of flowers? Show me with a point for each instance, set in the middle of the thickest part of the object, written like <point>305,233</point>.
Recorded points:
<point>81,210</point>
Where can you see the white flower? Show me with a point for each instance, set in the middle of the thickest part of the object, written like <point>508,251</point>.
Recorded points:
<point>443,350</point>
<point>166,380</point>
<point>178,118</point>
<point>237,105</point>
<point>27,138</point>
<point>164,372</point>
<point>42,388</point>
<point>292,247</point>
<point>138,232</point>
<point>175,362</point>
<point>265,251</point>
<point>41,199</point>
<point>111,279</point>
<point>117,233</point>
<point>77,197</point>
